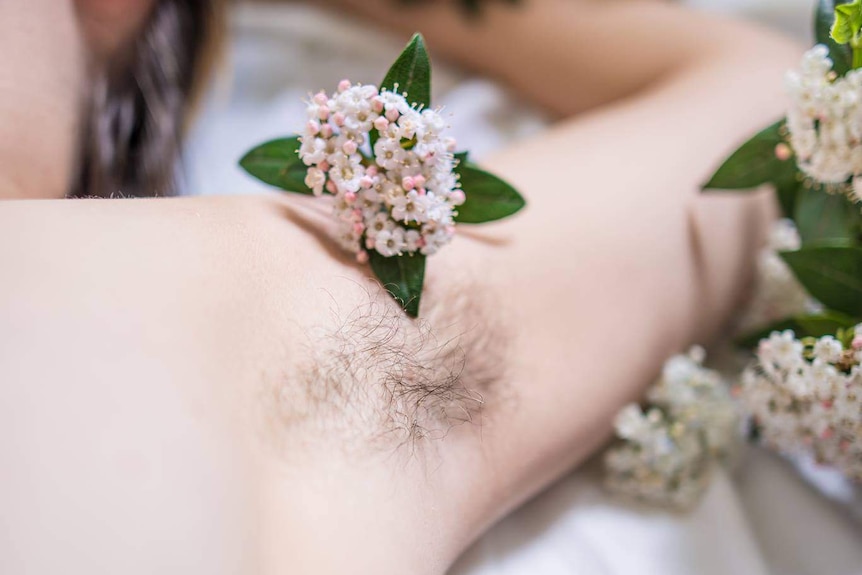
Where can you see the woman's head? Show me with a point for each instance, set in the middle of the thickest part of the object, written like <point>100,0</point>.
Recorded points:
<point>147,60</point>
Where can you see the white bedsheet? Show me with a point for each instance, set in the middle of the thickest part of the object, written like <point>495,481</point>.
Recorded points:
<point>762,521</point>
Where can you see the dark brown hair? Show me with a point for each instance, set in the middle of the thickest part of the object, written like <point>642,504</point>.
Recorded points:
<point>138,110</point>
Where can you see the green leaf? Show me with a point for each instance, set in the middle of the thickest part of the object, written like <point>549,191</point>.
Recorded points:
<point>816,325</point>
<point>277,163</point>
<point>832,274</point>
<point>411,72</point>
<point>787,191</point>
<point>754,163</point>
<point>489,198</point>
<point>823,217</point>
<point>402,276</point>
<point>848,22</point>
<point>841,54</point>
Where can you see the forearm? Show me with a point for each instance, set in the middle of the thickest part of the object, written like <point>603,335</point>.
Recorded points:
<point>567,55</point>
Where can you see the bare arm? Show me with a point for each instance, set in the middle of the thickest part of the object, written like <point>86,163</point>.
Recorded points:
<point>569,55</point>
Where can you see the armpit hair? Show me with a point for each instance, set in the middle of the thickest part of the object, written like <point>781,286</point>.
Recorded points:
<point>383,379</point>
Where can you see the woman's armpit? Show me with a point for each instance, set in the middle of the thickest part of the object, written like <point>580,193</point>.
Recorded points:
<point>370,377</point>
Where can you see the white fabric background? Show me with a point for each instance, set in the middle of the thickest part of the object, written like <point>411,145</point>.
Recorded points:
<point>764,520</point>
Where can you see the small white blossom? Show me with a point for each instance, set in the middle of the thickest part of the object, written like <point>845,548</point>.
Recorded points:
<point>806,399</point>
<point>663,455</point>
<point>401,198</point>
<point>825,119</point>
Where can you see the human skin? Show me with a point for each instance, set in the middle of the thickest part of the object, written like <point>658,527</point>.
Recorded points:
<point>155,396</point>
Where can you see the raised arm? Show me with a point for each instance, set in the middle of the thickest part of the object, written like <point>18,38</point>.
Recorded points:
<point>571,55</point>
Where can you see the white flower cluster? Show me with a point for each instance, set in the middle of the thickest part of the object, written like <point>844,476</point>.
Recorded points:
<point>777,294</point>
<point>805,398</point>
<point>399,196</point>
<point>665,452</point>
<point>825,120</point>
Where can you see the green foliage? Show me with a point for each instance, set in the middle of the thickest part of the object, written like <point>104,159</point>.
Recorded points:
<point>276,163</point>
<point>411,73</point>
<point>472,8</point>
<point>755,163</point>
<point>410,76</point>
<point>488,197</point>
<point>832,274</point>
<point>824,217</point>
<point>848,22</point>
<point>841,54</point>
<point>402,276</point>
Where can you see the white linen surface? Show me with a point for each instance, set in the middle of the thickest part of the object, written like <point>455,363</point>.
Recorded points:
<point>764,520</point>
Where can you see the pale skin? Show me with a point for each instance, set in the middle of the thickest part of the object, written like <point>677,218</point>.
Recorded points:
<point>142,340</point>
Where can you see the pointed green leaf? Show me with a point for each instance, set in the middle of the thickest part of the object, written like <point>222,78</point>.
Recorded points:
<point>823,217</point>
<point>754,163</point>
<point>787,191</point>
<point>841,54</point>
<point>848,21</point>
<point>411,72</point>
<point>402,276</point>
<point>815,325</point>
<point>831,274</point>
<point>489,198</point>
<point>277,163</point>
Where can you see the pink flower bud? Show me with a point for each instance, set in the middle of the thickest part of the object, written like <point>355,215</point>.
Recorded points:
<point>321,98</point>
<point>362,257</point>
<point>857,342</point>
<point>349,197</point>
<point>392,115</point>
<point>330,187</point>
<point>366,182</point>
<point>344,85</point>
<point>326,131</point>
<point>369,243</point>
<point>338,118</point>
<point>349,147</point>
<point>377,104</point>
<point>407,183</point>
<point>312,127</point>
<point>828,433</point>
<point>783,152</point>
<point>358,227</point>
<point>371,171</point>
<point>323,113</point>
<point>419,181</point>
<point>381,124</point>
<point>324,165</point>
<point>458,197</point>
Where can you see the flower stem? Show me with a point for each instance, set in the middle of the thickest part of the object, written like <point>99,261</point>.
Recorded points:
<point>857,55</point>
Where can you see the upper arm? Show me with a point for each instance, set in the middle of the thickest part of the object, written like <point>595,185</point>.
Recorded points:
<point>567,55</point>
